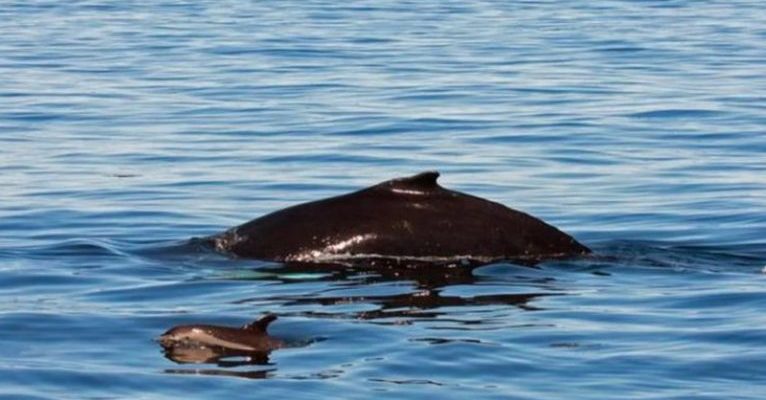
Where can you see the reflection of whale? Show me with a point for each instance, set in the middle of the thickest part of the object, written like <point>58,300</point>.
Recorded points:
<point>401,221</point>
<point>214,344</point>
<point>427,298</point>
<point>421,305</point>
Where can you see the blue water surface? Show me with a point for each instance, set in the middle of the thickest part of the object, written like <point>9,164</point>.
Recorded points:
<point>128,127</point>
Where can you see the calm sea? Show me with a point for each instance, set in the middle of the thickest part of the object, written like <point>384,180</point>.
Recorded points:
<point>128,127</point>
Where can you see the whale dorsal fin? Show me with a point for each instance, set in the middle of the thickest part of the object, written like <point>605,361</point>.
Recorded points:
<point>426,179</point>
<point>421,183</point>
<point>261,324</point>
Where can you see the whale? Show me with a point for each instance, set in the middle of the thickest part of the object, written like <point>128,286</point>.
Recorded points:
<point>403,221</point>
<point>199,343</point>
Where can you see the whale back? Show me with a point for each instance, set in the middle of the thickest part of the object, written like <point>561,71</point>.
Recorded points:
<point>412,218</point>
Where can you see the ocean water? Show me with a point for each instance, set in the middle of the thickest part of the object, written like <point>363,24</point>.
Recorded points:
<point>639,127</point>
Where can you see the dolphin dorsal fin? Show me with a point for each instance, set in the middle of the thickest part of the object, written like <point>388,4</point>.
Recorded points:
<point>261,324</point>
<point>421,183</point>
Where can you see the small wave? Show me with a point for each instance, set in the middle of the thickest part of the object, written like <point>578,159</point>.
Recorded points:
<point>676,114</point>
<point>74,247</point>
<point>678,256</point>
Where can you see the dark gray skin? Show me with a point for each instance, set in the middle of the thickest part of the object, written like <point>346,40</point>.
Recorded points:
<point>208,343</point>
<point>409,219</point>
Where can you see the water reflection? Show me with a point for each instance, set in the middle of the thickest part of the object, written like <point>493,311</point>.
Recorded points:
<point>423,302</point>
<point>220,356</point>
<point>420,304</point>
<point>421,275</point>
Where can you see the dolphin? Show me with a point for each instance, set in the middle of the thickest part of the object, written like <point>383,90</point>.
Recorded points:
<point>411,220</point>
<point>210,343</point>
